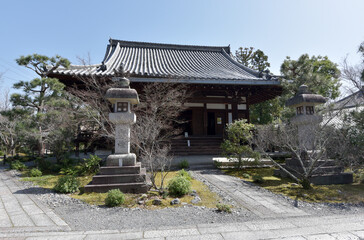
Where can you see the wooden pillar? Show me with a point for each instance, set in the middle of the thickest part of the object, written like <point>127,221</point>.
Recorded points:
<point>234,109</point>
<point>204,119</point>
<point>247,111</point>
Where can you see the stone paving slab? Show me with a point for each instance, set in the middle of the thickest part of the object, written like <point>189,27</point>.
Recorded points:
<point>260,203</point>
<point>21,212</point>
<point>339,227</point>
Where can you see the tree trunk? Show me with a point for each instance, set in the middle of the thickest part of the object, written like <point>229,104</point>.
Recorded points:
<point>306,184</point>
<point>41,143</point>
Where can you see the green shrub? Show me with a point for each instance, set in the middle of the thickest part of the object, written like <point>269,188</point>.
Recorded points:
<point>179,186</point>
<point>66,162</point>
<point>223,208</point>
<point>217,164</point>
<point>184,164</point>
<point>90,165</point>
<point>67,184</point>
<point>114,198</point>
<point>56,168</point>
<point>43,165</point>
<point>258,179</point>
<point>35,172</point>
<point>246,175</point>
<point>17,165</point>
<point>185,174</point>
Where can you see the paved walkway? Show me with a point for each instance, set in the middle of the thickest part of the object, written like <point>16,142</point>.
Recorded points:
<point>260,202</point>
<point>330,228</point>
<point>22,212</point>
<point>23,217</point>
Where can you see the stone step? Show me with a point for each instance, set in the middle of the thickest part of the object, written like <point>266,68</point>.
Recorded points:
<point>208,145</point>
<point>139,187</point>
<point>295,162</point>
<point>115,170</point>
<point>320,170</point>
<point>196,152</point>
<point>341,178</point>
<point>329,170</point>
<point>122,178</point>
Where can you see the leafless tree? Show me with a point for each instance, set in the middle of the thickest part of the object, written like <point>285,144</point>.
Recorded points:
<point>96,108</point>
<point>5,100</point>
<point>157,119</point>
<point>89,94</point>
<point>352,74</point>
<point>309,151</point>
<point>8,134</point>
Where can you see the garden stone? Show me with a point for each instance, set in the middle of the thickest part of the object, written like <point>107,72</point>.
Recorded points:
<point>193,193</point>
<point>144,196</point>
<point>197,199</point>
<point>157,202</point>
<point>175,201</point>
<point>140,202</point>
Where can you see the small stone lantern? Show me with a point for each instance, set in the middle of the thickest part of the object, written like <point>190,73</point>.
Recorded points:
<point>122,117</point>
<point>304,102</point>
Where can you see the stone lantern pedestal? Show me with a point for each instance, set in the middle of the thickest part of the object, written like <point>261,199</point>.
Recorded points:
<point>121,171</point>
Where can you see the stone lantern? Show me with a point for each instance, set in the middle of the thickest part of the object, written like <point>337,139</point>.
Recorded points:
<point>304,103</point>
<point>306,121</point>
<point>121,170</point>
<point>122,117</point>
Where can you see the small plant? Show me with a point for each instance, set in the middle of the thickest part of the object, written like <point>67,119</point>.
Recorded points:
<point>223,208</point>
<point>67,184</point>
<point>217,164</point>
<point>361,178</point>
<point>258,179</point>
<point>90,165</point>
<point>70,170</point>
<point>185,174</point>
<point>35,172</point>
<point>184,164</point>
<point>165,194</point>
<point>246,175</point>
<point>114,198</point>
<point>17,165</point>
<point>179,186</point>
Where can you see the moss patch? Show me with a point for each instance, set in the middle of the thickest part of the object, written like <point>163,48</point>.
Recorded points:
<point>45,181</point>
<point>208,198</point>
<point>348,193</point>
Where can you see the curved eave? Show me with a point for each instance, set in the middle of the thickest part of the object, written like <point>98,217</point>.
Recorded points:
<point>208,81</point>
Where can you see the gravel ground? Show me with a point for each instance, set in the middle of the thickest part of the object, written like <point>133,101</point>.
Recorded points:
<point>81,216</point>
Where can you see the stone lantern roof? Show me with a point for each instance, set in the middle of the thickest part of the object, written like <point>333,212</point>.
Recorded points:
<point>123,93</point>
<point>304,96</point>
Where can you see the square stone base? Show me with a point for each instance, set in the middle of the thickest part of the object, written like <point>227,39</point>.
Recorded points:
<point>126,159</point>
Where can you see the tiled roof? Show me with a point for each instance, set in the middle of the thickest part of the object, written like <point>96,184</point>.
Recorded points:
<point>145,61</point>
<point>353,100</point>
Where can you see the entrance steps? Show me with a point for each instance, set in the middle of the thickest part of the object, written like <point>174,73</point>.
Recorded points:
<point>198,146</point>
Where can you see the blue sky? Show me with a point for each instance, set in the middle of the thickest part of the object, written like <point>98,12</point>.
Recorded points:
<point>278,27</point>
